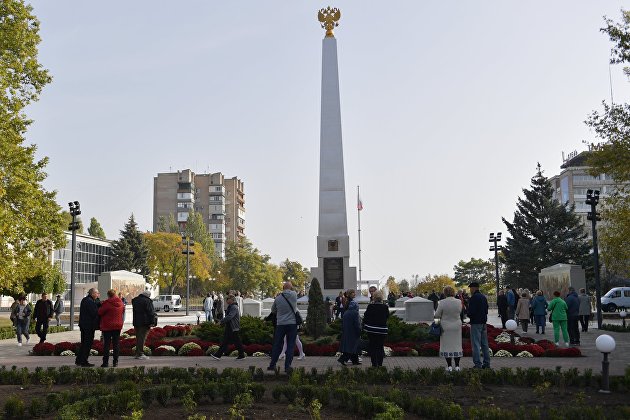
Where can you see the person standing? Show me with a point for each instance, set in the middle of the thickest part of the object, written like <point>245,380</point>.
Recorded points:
<point>111,315</point>
<point>208,306</point>
<point>21,317</point>
<point>43,313</point>
<point>502,306</point>
<point>375,324</point>
<point>371,291</point>
<point>558,309</point>
<point>58,309</point>
<point>231,333</point>
<point>433,297</point>
<point>338,305</point>
<point>448,312</point>
<point>391,299</point>
<point>585,309</point>
<point>219,313</point>
<point>573,316</point>
<point>478,315</point>
<point>539,306</point>
<point>350,331</point>
<point>522,311</point>
<point>143,318</point>
<point>511,299</point>
<point>285,307</point>
<point>88,323</point>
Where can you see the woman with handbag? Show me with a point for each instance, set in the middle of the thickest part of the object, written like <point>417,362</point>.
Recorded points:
<point>448,312</point>
<point>375,324</point>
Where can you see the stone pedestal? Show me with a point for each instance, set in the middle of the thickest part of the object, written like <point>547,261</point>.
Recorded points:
<point>560,277</point>
<point>418,310</point>
<point>267,303</point>
<point>252,307</point>
<point>400,303</point>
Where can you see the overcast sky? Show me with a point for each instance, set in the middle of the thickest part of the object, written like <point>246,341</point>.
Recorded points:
<point>446,109</point>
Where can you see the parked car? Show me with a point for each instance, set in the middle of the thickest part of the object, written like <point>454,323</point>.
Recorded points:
<point>167,302</point>
<point>617,297</point>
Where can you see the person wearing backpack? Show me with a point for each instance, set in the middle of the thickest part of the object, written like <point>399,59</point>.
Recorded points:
<point>285,308</point>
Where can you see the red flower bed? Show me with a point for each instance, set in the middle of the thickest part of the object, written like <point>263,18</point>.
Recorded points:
<point>534,349</point>
<point>429,349</point>
<point>63,346</point>
<point>178,330</point>
<point>263,348</point>
<point>401,351</point>
<point>195,352</point>
<point>546,344</point>
<point>568,352</point>
<point>528,340</point>
<point>43,349</point>
<point>313,349</point>
<point>131,331</point>
<point>99,347</point>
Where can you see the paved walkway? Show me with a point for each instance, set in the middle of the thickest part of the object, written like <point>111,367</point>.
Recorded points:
<point>11,354</point>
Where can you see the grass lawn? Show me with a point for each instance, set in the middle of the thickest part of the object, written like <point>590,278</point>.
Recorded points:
<point>5,322</point>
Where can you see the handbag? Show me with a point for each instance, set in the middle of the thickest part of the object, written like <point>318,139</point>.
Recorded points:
<point>436,329</point>
<point>298,317</point>
<point>550,314</point>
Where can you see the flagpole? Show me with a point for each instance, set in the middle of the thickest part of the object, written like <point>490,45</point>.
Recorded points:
<point>359,205</point>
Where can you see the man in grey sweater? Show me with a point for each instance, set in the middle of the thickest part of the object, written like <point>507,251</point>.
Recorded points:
<point>231,335</point>
<point>284,306</point>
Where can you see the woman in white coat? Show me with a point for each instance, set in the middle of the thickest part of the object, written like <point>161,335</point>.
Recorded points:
<point>448,312</point>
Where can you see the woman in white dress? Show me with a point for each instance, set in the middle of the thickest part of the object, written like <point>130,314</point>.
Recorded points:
<point>448,312</point>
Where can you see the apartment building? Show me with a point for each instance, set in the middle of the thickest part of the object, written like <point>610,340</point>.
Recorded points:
<point>574,180</point>
<point>220,201</point>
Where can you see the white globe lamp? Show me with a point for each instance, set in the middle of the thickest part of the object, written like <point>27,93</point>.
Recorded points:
<point>511,326</point>
<point>605,344</point>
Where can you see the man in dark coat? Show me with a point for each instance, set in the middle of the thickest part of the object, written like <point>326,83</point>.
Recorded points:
<point>433,297</point>
<point>43,313</point>
<point>143,319</point>
<point>350,332</point>
<point>502,306</point>
<point>231,334</point>
<point>88,323</point>
<point>478,315</point>
<point>573,317</point>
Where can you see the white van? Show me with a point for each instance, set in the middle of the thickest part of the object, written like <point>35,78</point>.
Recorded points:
<point>617,297</point>
<point>167,302</point>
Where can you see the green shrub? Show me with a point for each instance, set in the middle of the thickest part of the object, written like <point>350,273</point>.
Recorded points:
<point>317,312</point>
<point>148,395</point>
<point>209,331</point>
<point>14,407</point>
<point>325,340</point>
<point>164,394</point>
<point>255,330</point>
<point>37,407</point>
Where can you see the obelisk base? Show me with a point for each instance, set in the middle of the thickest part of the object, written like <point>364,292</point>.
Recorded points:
<point>333,269</point>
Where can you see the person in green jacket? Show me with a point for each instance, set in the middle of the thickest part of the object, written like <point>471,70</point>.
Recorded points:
<point>558,309</point>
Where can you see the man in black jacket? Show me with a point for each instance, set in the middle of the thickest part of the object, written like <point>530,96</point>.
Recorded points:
<point>143,318</point>
<point>88,323</point>
<point>43,313</point>
<point>502,306</point>
<point>478,315</point>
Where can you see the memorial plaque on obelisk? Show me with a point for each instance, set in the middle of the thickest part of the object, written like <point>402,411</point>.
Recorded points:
<point>333,244</point>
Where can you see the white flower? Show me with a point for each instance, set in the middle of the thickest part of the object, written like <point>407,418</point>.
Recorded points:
<point>259,354</point>
<point>388,351</point>
<point>167,350</point>
<point>503,353</point>
<point>503,338</point>
<point>93,352</point>
<point>524,354</point>
<point>67,353</point>
<point>146,350</point>
<point>186,348</point>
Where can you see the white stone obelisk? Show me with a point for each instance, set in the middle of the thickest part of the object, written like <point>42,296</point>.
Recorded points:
<point>333,243</point>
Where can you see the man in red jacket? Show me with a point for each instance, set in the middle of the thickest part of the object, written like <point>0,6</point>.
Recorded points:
<point>111,312</point>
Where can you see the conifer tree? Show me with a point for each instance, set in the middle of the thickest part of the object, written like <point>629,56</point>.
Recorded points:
<point>317,312</point>
<point>130,251</point>
<point>95,229</point>
<point>543,232</point>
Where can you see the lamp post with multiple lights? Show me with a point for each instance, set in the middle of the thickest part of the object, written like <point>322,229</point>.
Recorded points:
<point>75,210</point>
<point>187,240</point>
<point>496,248</point>
<point>592,198</point>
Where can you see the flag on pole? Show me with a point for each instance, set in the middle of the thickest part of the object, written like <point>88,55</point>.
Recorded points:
<point>359,203</point>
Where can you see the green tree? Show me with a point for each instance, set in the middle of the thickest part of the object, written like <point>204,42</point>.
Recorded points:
<point>167,263</point>
<point>31,224</point>
<point>294,272</point>
<point>50,280</point>
<point>476,269</point>
<point>543,233</point>
<point>96,229</point>
<point>130,252</point>
<point>243,266</point>
<point>392,286</point>
<point>612,157</point>
<point>403,286</point>
<point>168,224</point>
<point>199,232</point>
<point>317,312</point>
<point>435,282</point>
<point>271,279</point>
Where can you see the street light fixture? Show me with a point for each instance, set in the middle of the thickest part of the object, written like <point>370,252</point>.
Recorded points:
<point>605,344</point>
<point>496,248</point>
<point>187,240</point>
<point>623,314</point>
<point>592,198</point>
<point>511,326</point>
<point>75,210</point>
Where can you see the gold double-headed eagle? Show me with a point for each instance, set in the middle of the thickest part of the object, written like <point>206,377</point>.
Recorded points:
<point>329,18</point>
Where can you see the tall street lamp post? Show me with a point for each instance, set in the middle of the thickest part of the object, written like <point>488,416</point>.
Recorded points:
<point>75,210</point>
<point>592,198</point>
<point>496,248</point>
<point>187,240</point>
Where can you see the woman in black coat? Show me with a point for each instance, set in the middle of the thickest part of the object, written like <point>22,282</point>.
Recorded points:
<point>375,324</point>
<point>350,332</point>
